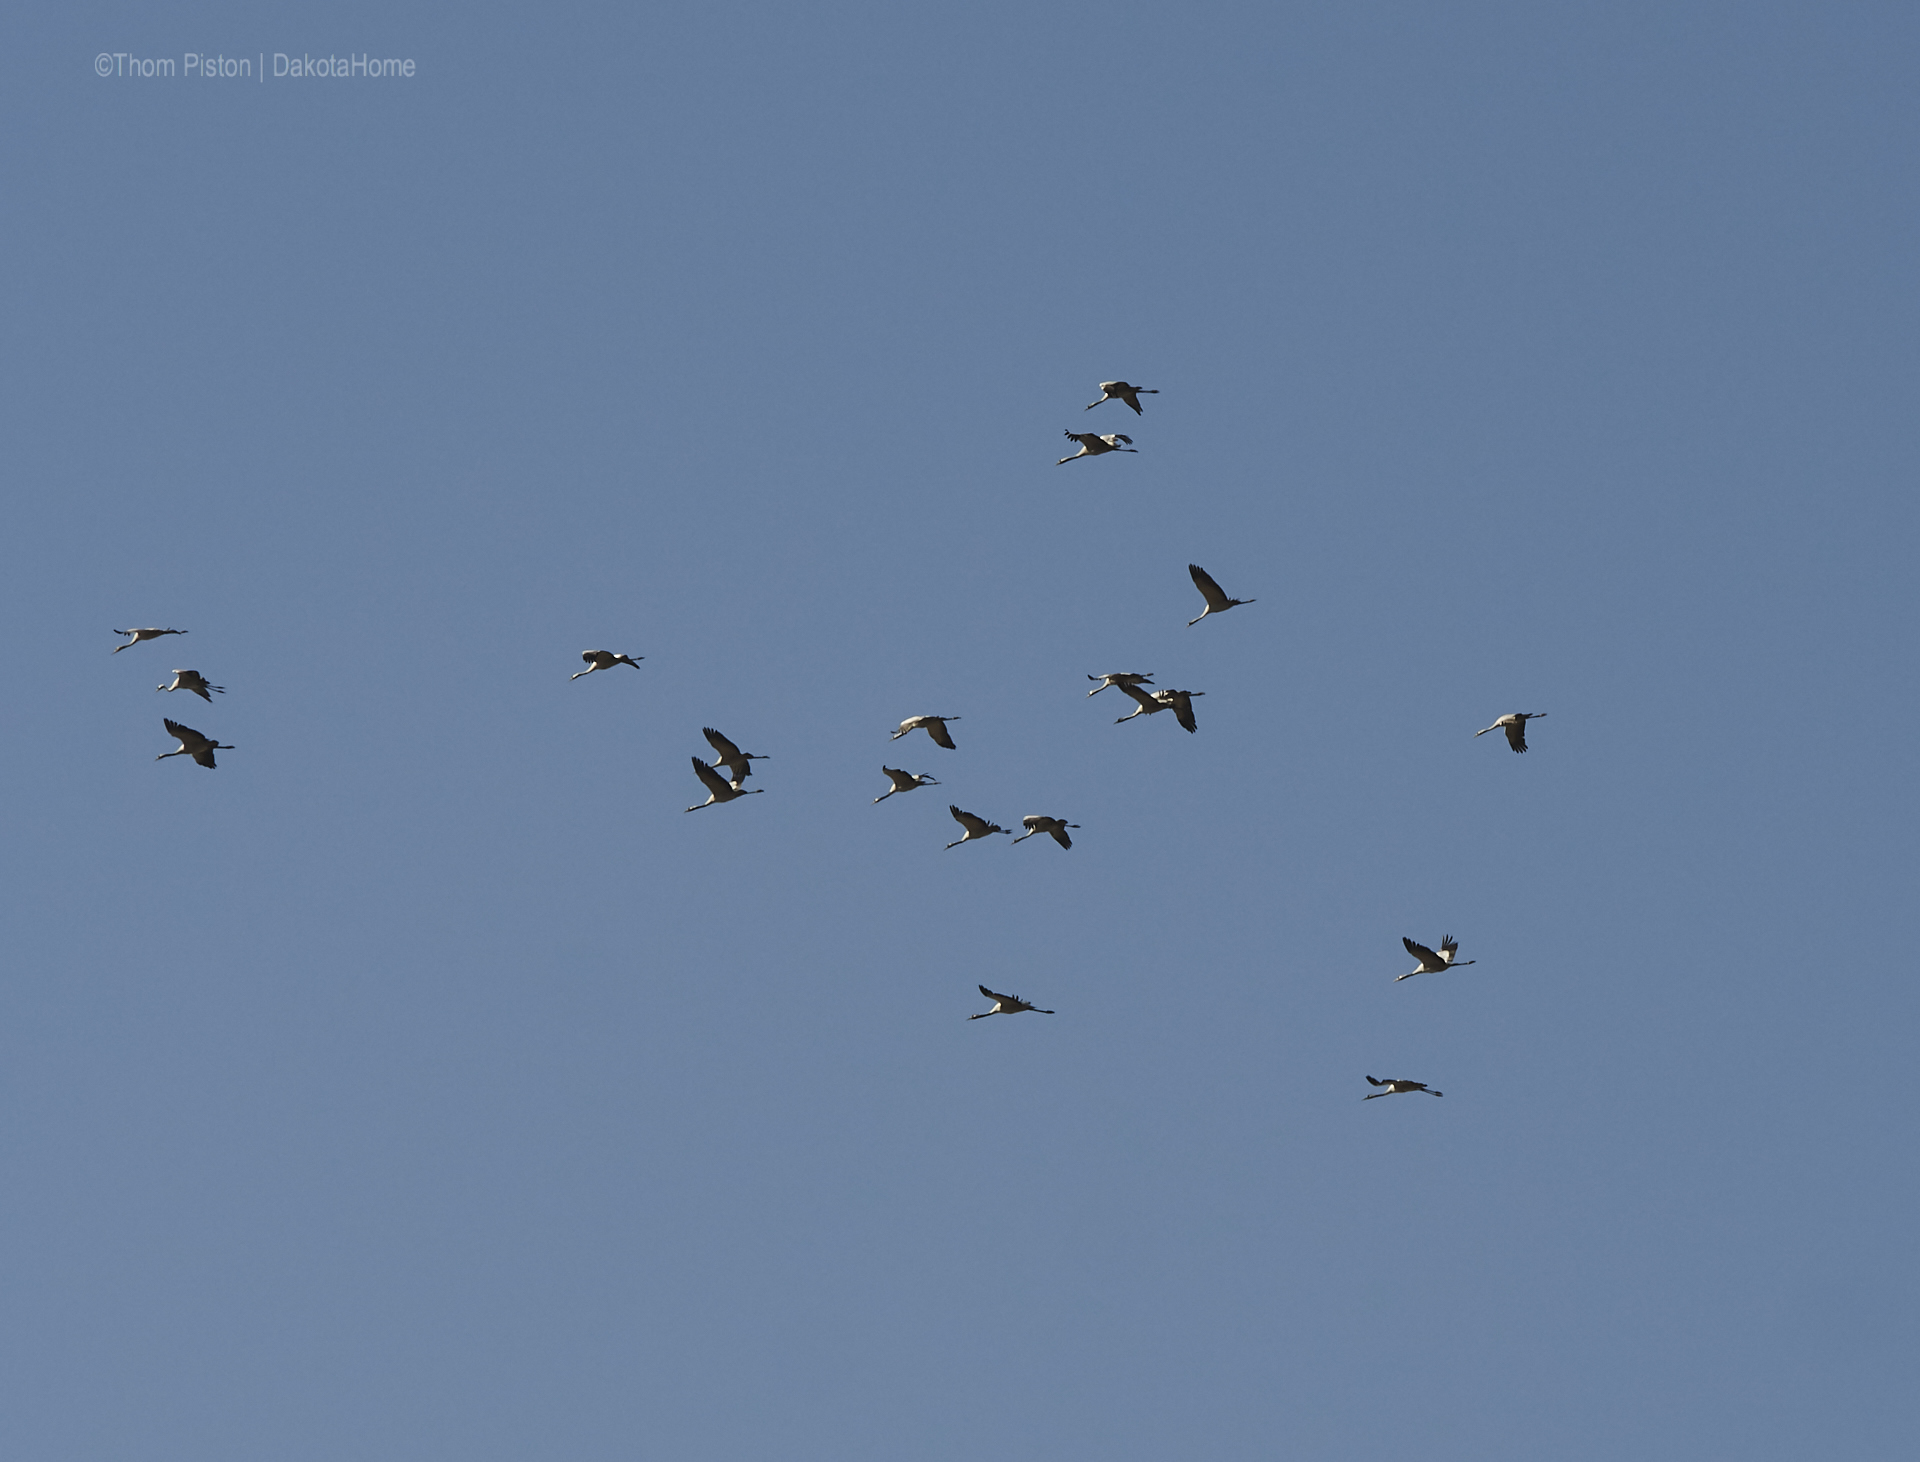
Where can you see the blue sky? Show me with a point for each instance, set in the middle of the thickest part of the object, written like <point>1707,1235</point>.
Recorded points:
<point>423,1082</point>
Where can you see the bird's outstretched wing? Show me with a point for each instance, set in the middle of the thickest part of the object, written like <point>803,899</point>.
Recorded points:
<point>181,733</point>
<point>1517,735</point>
<point>1142,697</point>
<point>1215,596</point>
<point>1448,944</point>
<point>728,751</point>
<point>1420,952</point>
<point>1060,836</point>
<point>709,778</point>
<point>1182,703</point>
<point>204,755</point>
<point>991,996</point>
<point>937,729</point>
<point>1372,1082</point>
<point>977,826</point>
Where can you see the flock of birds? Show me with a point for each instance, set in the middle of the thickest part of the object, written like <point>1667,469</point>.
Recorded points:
<point>738,764</point>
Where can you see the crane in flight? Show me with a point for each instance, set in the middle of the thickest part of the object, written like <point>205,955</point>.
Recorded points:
<point>1180,702</point>
<point>192,743</point>
<point>603,660</point>
<point>1121,391</point>
<point>1148,701</point>
<point>1055,827</point>
<point>1121,678</point>
<point>142,634</point>
<point>1514,724</point>
<point>1394,1086</point>
<point>738,763</point>
<point>1216,597</point>
<point>1431,963</point>
<point>191,680</point>
<point>976,827</point>
<point>934,726</point>
<point>719,789</point>
<point>1095,445</point>
<point>904,782</point>
<point>1006,1005</point>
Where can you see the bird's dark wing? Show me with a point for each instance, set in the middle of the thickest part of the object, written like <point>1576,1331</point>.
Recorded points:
<point>1183,712</point>
<point>1215,596</point>
<point>938,731</point>
<point>1130,689</point>
<point>204,756</point>
<point>1517,735</point>
<point>1060,836</point>
<point>1372,1082</point>
<point>991,996</point>
<point>728,751</point>
<point>1420,952</point>
<point>711,779</point>
<point>181,733</point>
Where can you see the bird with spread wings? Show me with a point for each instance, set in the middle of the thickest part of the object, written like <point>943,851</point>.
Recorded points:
<point>1216,597</point>
<point>1431,963</point>
<point>1006,1005</point>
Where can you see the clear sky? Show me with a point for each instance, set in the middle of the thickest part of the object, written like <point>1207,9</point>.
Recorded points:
<point>423,1083</point>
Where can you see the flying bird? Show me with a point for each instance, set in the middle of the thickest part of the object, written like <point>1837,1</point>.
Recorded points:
<point>142,634</point>
<point>903,782</point>
<point>1216,597</point>
<point>192,743</point>
<point>1514,724</point>
<point>719,789</point>
<point>1394,1086</point>
<point>1181,703</point>
<point>603,660</point>
<point>1092,445</point>
<point>1008,1005</point>
<point>1431,963</point>
<point>1121,391</point>
<point>934,726</point>
<point>738,762</point>
<point>1148,701</point>
<point>1053,826</point>
<point>1119,677</point>
<point>977,827</point>
<point>191,680</point>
